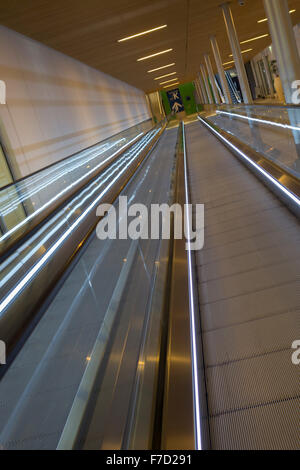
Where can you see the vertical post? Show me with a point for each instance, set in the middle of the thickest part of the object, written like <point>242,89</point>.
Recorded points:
<point>202,86</point>
<point>236,52</point>
<point>284,43</point>
<point>198,91</point>
<point>206,84</point>
<point>218,60</point>
<point>262,81</point>
<point>254,71</point>
<point>268,74</point>
<point>212,78</point>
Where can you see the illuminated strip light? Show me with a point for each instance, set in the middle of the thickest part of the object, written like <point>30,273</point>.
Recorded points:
<point>9,298</point>
<point>264,121</point>
<point>231,62</point>
<point>192,310</point>
<point>154,55</point>
<point>172,84</point>
<point>167,81</point>
<point>167,75</point>
<point>163,67</point>
<point>142,33</point>
<point>16,227</point>
<point>34,179</point>
<point>254,39</point>
<point>266,19</point>
<point>53,174</point>
<point>55,177</point>
<point>242,52</point>
<point>292,196</point>
<point>12,272</point>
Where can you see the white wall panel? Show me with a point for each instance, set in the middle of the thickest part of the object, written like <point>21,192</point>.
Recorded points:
<point>56,105</point>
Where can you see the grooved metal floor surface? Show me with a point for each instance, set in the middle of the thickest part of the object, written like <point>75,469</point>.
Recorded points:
<point>249,296</point>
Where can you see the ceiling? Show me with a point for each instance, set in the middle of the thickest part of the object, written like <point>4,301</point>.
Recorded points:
<point>88,30</point>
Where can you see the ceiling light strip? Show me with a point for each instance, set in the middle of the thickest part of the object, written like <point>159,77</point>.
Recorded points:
<point>254,39</point>
<point>173,84</point>
<point>153,55</point>
<point>142,33</point>
<point>266,19</point>
<point>162,67</point>
<point>167,75</point>
<point>167,81</point>
<point>243,52</point>
<point>227,63</point>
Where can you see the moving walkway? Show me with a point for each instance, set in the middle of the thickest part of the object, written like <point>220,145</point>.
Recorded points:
<point>140,344</point>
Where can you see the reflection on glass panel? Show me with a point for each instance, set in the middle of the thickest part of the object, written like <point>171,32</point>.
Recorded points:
<point>31,199</point>
<point>274,131</point>
<point>5,174</point>
<point>9,219</point>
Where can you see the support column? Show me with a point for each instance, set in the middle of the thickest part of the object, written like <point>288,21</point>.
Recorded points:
<point>284,43</point>
<point>212,78</point>
<point>202,86</point>
<point>198,90</point>
<point>261,81</point>
<point>201,91</point>
<point>236,52</point>
<point>218,60</point>
<point>257,84</point>
<point>268,74</point>
<point>206,84</point>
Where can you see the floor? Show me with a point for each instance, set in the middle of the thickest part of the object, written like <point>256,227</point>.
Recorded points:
<point>248,283</point>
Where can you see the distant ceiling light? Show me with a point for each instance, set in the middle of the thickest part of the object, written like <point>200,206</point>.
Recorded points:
<point>243,52</point>
<point>266,19</point>
<point>142,33</point>
<point>231,62</point>
<point>173,84</point>
<point>153,55</point>
<point>159,68</point>
<point>254,39</point>
<point>167,81</point>
<point>167,75</point>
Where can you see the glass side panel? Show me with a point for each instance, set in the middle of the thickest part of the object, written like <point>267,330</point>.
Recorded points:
<point>273,131</point>
<point>26,202</point>
<point>6,178</point>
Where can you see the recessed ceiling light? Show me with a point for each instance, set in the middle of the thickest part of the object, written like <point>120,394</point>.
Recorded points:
<point>167,81</point>
<point>266,19</point>
<point>173,84</point>
<point>254,39</point>
<point>167,75</point>
<point>142,33</point>
<point>243,52</point>
<point>231,62</point>
<point>159,68</point>
<point>153,55</point>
